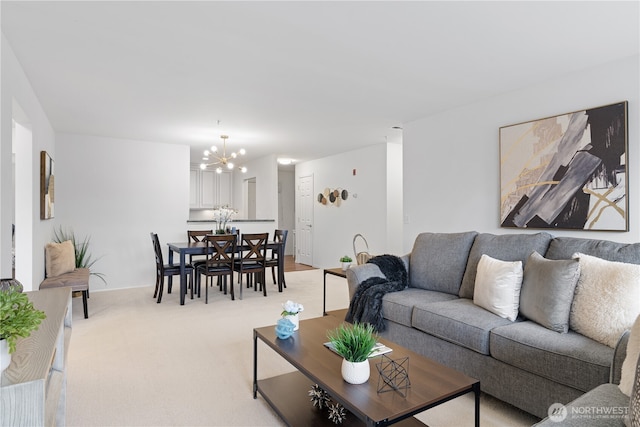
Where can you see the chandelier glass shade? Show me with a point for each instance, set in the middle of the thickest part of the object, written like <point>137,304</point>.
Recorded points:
<point>212,158</point>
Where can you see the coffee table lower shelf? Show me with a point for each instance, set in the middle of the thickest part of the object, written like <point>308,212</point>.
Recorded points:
<point>288,395</point>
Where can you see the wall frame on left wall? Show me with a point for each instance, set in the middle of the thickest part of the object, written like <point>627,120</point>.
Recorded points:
<point>47,186</point>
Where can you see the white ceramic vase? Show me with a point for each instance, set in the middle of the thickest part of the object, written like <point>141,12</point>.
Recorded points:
<point>5,357</point>
<point>355,372</point>
<point>295,319</point>
<point>345,266</point>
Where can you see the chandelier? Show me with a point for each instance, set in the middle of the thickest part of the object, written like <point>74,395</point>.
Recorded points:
<point>222,160</point>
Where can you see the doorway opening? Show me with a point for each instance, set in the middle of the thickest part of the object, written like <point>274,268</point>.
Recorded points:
<point>22,154</point>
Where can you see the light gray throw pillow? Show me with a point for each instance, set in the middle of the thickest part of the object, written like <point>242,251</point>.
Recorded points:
<point>507,247</point>
<point>547,291</point>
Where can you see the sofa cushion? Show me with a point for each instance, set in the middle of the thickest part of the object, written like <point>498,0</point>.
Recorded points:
<point>459,321</point>
<point>607,299</point>
<point>60,258</point>
<point>547,291</point>
<point>631,359</point>
<point>507,247</point>
<point>565,247</point>
<point>398,306</point>
<point>438,261</point>
<point>570,359</point>
<point>497,287</point>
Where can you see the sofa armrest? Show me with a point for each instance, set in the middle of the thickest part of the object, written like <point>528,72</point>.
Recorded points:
<point>359,273</point>
<point>619,355</point>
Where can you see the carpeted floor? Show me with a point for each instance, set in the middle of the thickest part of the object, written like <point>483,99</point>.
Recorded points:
<point>138,363</point>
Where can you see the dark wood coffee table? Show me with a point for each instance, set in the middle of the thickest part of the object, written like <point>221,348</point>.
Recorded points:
<point>431,382</point>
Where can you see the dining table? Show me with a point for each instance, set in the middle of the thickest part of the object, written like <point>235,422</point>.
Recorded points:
<point>200,248</point>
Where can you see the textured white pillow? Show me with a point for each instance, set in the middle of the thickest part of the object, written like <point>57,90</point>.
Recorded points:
<point>631,359</point>
<point>497,286</point>
<point>607,299</point>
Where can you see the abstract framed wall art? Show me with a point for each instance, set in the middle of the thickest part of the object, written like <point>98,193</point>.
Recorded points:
<point>567,171</point>
<point>47,187</point>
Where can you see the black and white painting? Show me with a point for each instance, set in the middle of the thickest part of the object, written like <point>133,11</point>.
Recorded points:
<point>566,172</point>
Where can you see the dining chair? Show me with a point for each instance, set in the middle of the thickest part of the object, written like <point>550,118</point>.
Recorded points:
<point>220,262</point>
<point>197,236</point>
<point>279,236</point>
<point>252,260</point>
<point>168,270</point>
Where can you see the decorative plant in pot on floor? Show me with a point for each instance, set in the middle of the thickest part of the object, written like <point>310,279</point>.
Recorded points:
<point>354,343</point>
<point>18,318</point>
<point>83,258</point>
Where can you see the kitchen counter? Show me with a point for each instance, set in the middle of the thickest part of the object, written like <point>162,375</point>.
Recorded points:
<point>244,225</point>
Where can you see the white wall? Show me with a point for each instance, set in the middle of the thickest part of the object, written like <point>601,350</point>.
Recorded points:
<point>15,89</point>
<point>451,160</point>
<point>117,192</point>
<point>366,210</point>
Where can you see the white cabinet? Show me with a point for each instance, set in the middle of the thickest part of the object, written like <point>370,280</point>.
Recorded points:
<point>209,189</point>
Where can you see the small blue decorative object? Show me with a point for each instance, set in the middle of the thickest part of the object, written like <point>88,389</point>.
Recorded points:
<point>284,328</point>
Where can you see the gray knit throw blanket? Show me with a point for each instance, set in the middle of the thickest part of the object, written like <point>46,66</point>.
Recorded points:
<point>366,304</point>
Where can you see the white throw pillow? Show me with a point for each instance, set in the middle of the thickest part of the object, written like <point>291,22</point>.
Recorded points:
<point>60,258</point>
<point>631,359</point>
<point>497,286</point>
<point>607,299</point>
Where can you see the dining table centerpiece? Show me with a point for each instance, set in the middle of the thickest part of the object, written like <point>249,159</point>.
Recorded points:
<point>221,216</point>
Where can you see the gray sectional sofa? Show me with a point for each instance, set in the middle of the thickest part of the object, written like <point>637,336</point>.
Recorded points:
<point>521,362</point>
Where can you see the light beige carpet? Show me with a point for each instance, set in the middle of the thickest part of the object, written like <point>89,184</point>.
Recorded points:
<point>138,363</point>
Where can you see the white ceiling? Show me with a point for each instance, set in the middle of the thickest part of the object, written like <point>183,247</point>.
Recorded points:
<point>296,79</point>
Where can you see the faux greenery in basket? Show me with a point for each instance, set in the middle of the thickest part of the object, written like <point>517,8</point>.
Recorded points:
<point>83,257</point>
<point>18,317</point>
<point>353,342</point>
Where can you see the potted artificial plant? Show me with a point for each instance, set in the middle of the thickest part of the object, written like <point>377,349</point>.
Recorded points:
<point>346,262</point>
<point>18,318</point>
<point>354,343</point>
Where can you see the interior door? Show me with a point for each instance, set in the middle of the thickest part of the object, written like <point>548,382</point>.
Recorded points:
<point>304,226</point>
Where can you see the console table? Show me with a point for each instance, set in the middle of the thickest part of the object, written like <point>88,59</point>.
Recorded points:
<point>33,387</point>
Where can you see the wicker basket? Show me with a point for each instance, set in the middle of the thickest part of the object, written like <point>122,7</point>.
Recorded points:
<point>361,256</point>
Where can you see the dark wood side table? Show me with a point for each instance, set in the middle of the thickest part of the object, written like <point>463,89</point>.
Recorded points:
<point>335,272</point>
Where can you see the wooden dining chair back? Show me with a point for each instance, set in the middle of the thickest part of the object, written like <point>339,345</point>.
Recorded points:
<point>220,261</point>
<point>168,270</point>
<point>197,236</point>
<point>279,236</point>
<point>252,260</point>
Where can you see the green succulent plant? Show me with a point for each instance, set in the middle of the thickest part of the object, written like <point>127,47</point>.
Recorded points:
<point>353,342</point>
<point>346,258</point>
<point>18,317</point>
